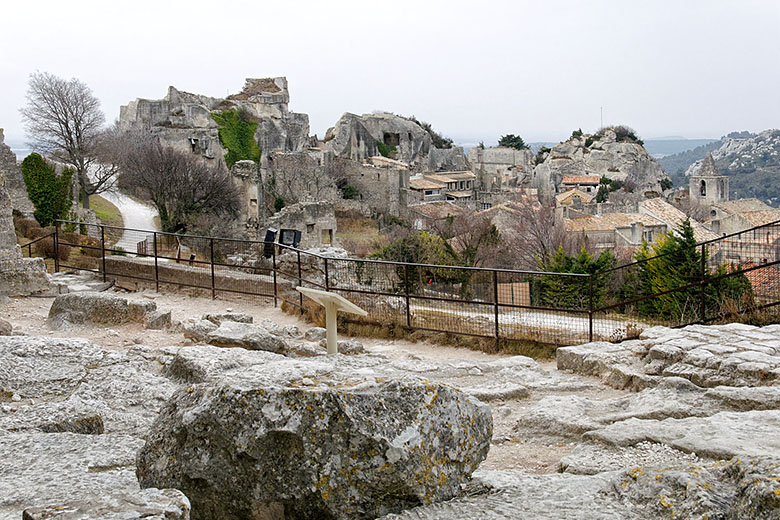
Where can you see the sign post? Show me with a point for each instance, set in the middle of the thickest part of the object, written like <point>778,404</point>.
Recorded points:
<point>333,303</point>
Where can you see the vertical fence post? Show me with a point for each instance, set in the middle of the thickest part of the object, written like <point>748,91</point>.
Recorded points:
<point>273,260</point>
<point>590,307</point>
<point>495,307</point>
<point>327,281</point>
<point>300,282</point>
<point>56,248</point>
<point>213,281</point>
<point>702,304</point>
<point>103,250</point>
<point>406,291</point>
<point>156,270</point>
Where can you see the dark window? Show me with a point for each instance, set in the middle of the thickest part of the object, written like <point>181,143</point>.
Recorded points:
<point>392,139</point>
<point>703,189</point>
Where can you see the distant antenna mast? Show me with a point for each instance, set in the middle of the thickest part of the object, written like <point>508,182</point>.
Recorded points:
<point>601,109</point>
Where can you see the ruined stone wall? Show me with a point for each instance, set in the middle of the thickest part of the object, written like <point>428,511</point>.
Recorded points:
<point>315,220</point>
<point>18,276</point>
<point>246,177</point>
<point>500,166</point>
<point>381,190</point>
<point>11,176</point>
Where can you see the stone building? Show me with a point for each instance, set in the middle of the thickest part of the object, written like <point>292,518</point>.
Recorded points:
<point>500,167</point>
<point>316,222</point>
<point>707,186</point>
<point>11,175</point>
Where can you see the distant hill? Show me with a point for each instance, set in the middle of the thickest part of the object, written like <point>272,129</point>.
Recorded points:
<point>676,164</point>
<point>752,162</point>
<point>660,148</point>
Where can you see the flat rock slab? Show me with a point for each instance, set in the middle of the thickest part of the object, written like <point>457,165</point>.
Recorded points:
<point>708,356</point>
<point>510,494</point>
<point>40,469</point>
<point>738,489</point>
<point>149,504</point>
<point>36,367</point>
<point>721,436</point>
<point>245,335</point>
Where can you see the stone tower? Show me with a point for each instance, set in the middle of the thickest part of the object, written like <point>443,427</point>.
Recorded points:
<point>707,185</point>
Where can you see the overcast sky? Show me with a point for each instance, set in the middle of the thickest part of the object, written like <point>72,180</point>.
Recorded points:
<point>475,70</point>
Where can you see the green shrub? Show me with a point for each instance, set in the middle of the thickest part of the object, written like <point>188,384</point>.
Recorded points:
<point>94,250</point>
<point>237,135</point>
<point>349,192</point>
<point>27,227</point>
<point>386,150</point>
<point>41,232</point>
<point>49,192</point>
<point>512,141</point>
<point>278,204</point>
<point>45,248</point>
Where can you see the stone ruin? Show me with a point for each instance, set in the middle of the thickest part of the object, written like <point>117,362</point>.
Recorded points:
<point>316,222</point>
<point>355,137</point>
<point>19,276</point>
<point>14,182</point>
<point>183,120</point>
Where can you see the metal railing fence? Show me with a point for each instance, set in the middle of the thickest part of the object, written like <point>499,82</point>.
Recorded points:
<point>734,274</point>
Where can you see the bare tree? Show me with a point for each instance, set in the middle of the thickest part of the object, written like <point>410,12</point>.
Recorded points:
<point>537,235</point>
<point>62,119</point>
<point>296,177</point>
<point>183,187</point>
<point>471,239</point>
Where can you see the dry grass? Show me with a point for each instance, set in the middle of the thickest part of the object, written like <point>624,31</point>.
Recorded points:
<point>358,234</point>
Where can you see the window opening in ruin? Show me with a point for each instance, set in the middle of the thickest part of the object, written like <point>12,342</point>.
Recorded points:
<point>194,144</point>
<point>310,228</point>
<point>253,203</point>
<point>391,139</point>
<point>410,136</point>
<point>327,236</point>
<point>703,189</point>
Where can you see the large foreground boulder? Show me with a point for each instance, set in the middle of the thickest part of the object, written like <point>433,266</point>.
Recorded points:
<point>243,450</point>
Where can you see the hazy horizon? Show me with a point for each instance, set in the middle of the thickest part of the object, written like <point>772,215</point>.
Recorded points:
<point>698,69</point>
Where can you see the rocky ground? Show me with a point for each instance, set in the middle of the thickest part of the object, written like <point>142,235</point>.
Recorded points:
<point>677,424</point>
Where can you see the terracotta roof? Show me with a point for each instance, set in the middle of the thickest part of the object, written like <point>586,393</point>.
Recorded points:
<point>460,194</point>
<point>673,218</point>
<point>759,218</point>
<point>425,184</point>
<point>581,179</point>
<point>765,280</point>
<point>742,205</point>
<point>610,221</point>
<point>566,195</point>
<point>459,176</point>
<point>437,210</point>
<point>438,177</point>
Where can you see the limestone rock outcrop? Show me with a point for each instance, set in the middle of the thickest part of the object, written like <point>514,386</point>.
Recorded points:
<point>18,276</point>
<point>355,137</point>
<point>600,155</point>
<point>183,120</point>
<point>11,176</point>
<point>239,449</point>
<point>735,355</point>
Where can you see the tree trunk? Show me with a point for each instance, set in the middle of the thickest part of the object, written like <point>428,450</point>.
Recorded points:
<point>83,183</point>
